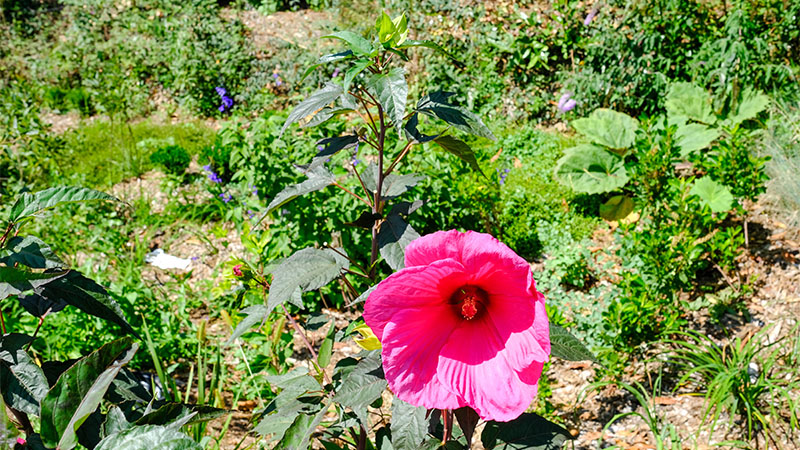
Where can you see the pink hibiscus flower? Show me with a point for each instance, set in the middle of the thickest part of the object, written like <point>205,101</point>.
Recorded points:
<point>462,325</point>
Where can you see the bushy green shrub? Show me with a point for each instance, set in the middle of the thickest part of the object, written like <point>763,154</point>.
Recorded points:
<point>173,158</point>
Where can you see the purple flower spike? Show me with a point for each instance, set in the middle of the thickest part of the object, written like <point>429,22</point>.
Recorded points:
<point>320,147</point>
<point>254,189</point>
<point>214,178</point>
<point>275,75</point>
<point>226,197</point>
<point>565,103</point>
<point>207,167</point>
<point>590,17</point>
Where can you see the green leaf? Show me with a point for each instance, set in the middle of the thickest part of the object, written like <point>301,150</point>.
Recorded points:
<point>330,147</point>
<point>431,45</point>
<point>363,297</point>
<point>282,412</point>
<point>38,306</point>
<point>253,315</point>
<point>355,42</point>
<point>616,208</point>
<point>413,134</point>
<point>752,103</point>
<point>327,59</point>
<point>566,346</point>
<point>394,185</point>
<point>693,137</point>
<point>115,421</point>
<point>149,437</point>
<point>86,295</point>
<point>29,204</point>
<point>362,385</point>
<point>409,426</point>
<point>298,435</point>
<point>15,280</point>
<point>326,348</point>
<point>313,104</point>
<point>392,92</point>
<point>318,178</point>
<point>79,390</point>
<point>308,269</point>
<point>172,412</point>
<point>30,251</point>
<point>326,114</point>
<point>436,104</point>
<point>459,148</point>
<point>393,238</point>
<point>22,382</point>
<point>591,169</point>
<point>467,420</point>
<point>385,28</point>
<point>689,100</point>
<point>400,34</point>
<point>351,73</point>
<point>608,128</point>
<point>712,194</point>
<point>528,431</point>
<point>297,381</point>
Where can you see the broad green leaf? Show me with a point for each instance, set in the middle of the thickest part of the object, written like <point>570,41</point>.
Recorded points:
<point>689,100</point>
<point>306,270</point>
<point>351,73</point>
<point>716,196</point>
<point>566,346</point>
<point>392,92</point>
<point>296,381</point>
<point>79,390</point>
<point>385,28</point>
<point>355,42</point>
<point>431,45</point>
<point>327,59</point>
<point>616,208</point>
<point>362,385</point>
<point>298,435</point>
<point>313,104</point>
<point>363,297</point>
<point>409,426</point>
<point>30,251</point>
<point>29,204</point>
<point>752,103</point>
<point>172,412</point>
<point>318,178</point>
<point>436,104</point>
<point>86,295</point>
<point>394,185</point>
<point>149,437</point>
<point>22,382</point>
<point>326,114</point>
<point>15,280</point>
<point>115,421</point>
<point>693,137</point>
<point>253,315</point>
<point>529,431</point>
<point>400,34</point>
<point>393,238</point>
<point>608,128</point>
<point>325,349</point>
<point>330,147</point>
<point>281,413</point>
<point>459,148</point>
<point>591,169</point>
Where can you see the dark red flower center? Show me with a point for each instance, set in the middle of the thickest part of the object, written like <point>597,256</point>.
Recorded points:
<point>469,301</point>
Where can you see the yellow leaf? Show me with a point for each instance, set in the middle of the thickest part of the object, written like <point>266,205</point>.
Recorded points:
<point>368,340</point>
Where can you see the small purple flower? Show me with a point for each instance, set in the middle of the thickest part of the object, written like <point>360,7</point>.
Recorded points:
<point>227,102</point>
<point>355,161</point>
<point>254,189</point>
<point>320,147</point>
<point>226,197</point>
<point>503,175</point>
<point>195,258</point>
<point>207,167</point>
<point>275,75</point>
<point>336,72</point>
<point>250,214</point>
<point>565,103</point>
<point>278,83</point>
<point>214,177</point>
<point>590,16</point>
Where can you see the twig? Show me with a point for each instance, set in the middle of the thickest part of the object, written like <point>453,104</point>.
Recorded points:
<point>397,160</point>
<point>352,261</point>
<point>360,180</point>
<point>336,183</point>
<point>36,332</point>
<point>299,330</point>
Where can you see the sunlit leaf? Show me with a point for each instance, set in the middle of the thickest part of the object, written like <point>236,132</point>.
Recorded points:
<point>355,42</point>
<point>437,104</point>
<point>149,437</point>
<point>22,382</point>
<point>566,346</point>
<point>392,92</point>
<point>608,128</point>
<point>689,100</point>
<point>694,136</point>
<point>459,148</point>
<point>617,207</point>
<point>313,104</point>
<point>30,204</point>
<point>591,169</point>
<point>318,178</point>
<point>306,270</point>
<point>716,196</point>
<point>409,427</point>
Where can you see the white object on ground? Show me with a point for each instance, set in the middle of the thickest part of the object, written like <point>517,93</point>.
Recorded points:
<point>166,261</point>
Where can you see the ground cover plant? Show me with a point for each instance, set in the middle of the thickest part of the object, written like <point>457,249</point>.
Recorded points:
<point>336,225</point>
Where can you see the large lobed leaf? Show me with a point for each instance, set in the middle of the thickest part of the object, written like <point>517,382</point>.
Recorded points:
<point>529,431</point>
<point>393,238</point>
<point>693,137</point>
<point>30,204</point>
<point>591,169</point>
<point>149,437</point>
<point>392,92</point>
<point>15,280</point>
<point>22,382</point>
<point>306,270</point>
<point>409,426</point>
<point>79,390</point>
<point>436,104</point>
<point>362,385</point>
<point>394,185</point>
<point>690,101</point>
<point>318,178</point>
<point>712,194</point>
<point>566,346</point>
<point>314,103</point>
<point>608,128</point>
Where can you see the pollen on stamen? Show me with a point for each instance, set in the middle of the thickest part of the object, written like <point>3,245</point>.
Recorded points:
<point>469,301</point>
<point>468,308</point>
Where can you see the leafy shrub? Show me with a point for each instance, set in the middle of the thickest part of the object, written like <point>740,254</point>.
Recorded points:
<point>174,158</point>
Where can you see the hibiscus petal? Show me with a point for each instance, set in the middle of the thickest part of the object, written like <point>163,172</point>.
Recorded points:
<point>434,247</point>
<point>473,365</point>
<point>415,290</point>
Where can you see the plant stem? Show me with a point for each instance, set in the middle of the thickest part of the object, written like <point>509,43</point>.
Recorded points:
<point>2,322</point>
<point>335,183</point>
<point>360,180</point>
<point>299,330</point>
<point>5,235</point>
<point>362,439</point>
<point>36,332</point>
<point>397,160</point>
<point>447,424</point>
